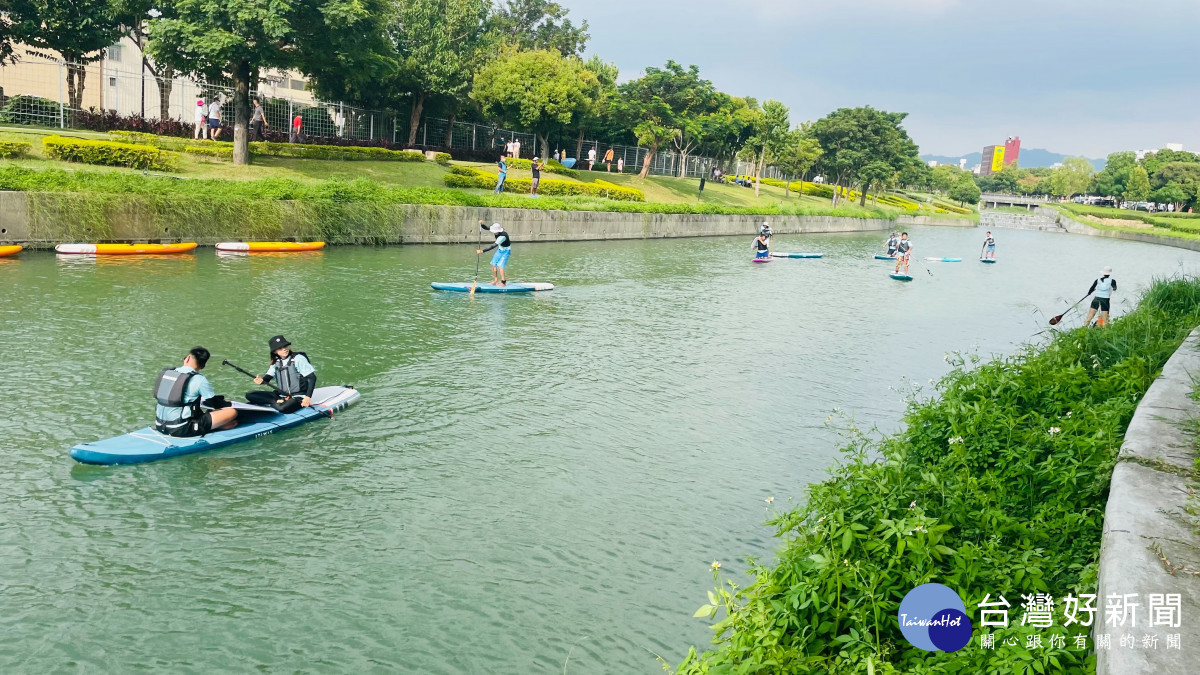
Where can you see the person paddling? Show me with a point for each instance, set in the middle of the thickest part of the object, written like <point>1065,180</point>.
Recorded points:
<point>503,248</point>
<point>181,391</point>
<point>989,248</point>
<point>892,242</point>
<point>903,252</point>
<point>762,246</point>
<point>295,375</point>
<point>1103,288</point>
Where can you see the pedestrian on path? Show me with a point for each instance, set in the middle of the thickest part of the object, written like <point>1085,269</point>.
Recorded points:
<point>591,158</point>
<point>503,164</point>
<point>258,120</point>
<point>608,158</point>
<point>297,125</point>
<point>537,167</point>
<point>200,122</point>
<point>214,118</point>
<point>621,164</point>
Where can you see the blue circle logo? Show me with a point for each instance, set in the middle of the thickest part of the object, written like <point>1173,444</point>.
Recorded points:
<point>933,617</point>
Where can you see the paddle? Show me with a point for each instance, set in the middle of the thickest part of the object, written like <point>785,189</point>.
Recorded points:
<point>1055,319</point>
<point>478,245</point>
<point>253,377</point>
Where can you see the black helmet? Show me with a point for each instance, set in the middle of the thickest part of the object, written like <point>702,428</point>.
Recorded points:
<point>278,342</point>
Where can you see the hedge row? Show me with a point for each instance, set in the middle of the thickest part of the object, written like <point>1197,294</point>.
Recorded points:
<point>12,149</point>
<point>108,153</point>
<point>463,177</point>
<point>305,150</point>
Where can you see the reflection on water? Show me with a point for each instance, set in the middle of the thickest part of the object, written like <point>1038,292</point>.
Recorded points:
<point>524,476</point>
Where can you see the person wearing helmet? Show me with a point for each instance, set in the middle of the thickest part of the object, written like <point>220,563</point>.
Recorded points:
<point>1103,288</point>
<point>893,243</point>
<point>503,248</point>
<point>296,378</point>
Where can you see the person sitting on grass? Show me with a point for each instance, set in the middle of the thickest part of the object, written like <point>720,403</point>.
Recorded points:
<point>503,248</point>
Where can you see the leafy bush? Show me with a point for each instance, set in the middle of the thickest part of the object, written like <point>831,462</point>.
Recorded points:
<point>483,180</point>
<point>442,158</point>
<point>22,109</point>
<point>551,167</point>
<point>140,137</point>
<point>108,120</point>
<point>998,485</point>
<point>13,149</point>
<point>107,153</point>
<point>310,151</point>
<point>221,151</point>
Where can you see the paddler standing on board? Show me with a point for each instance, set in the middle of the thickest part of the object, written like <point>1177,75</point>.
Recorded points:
<point>1103,288</point>
<point>989,248</point>
<point>762,246</point>
<point>892,242</point>
<point>180,393</point>
<point>903,252</point>
<point>503,248</point>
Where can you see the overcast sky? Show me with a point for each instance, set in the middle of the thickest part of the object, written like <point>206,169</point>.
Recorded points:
<point>1083,77</point>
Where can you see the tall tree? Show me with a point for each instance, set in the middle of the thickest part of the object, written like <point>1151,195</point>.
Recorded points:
<point>854,137</point>
<point>1112,180</point>
<point>236,38</point>
<point>76,29</point>
<point>796,156</point>
<point>944,177</point>
<point>1072,178</point>
<point>539,24</point>
<point>599,107</point>
<point>1137,187</point>
<point>7,55</point>
<point>964,190</point>
<point>654,104</point>
<point>770,135</point>
<point>875,174</point>
<point>440,45</point>
<point>538,90</point>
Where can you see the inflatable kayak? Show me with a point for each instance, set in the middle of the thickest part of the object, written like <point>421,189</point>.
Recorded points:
<point>147,445</point>
<point>274,246</point>
<point>901,277</point>
<point>514,287</point>
<point>9,250</point>
<point>797,255</point>
<point>944,259</point>
<point>124,249</point>
<point>987,260</point>
<point>885,257</point>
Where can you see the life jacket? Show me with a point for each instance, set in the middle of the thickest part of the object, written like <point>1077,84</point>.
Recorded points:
<point>288,377</point>
<point>989,241</point>
<point>507,239</point>
<point>892,242</point>
<point>904,245</point>
<point>170,391</point>
<point>761,243</point>
<point>1104,287</point>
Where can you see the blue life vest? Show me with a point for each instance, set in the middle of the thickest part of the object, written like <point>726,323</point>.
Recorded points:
<point>1104,287</point>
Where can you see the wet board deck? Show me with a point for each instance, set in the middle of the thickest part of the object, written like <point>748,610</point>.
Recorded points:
<point>514,287</point>
<point>987,260</point>
<point>944,259</point>
<point>885,257</point>
<point>797,255</point>
<point>147,445</point>
<point>761,260</point>
<point>901,277</point>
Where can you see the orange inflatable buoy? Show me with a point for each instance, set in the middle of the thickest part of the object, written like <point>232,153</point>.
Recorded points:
<point>273,246</point>
<point>125,249</point>
<point>10,250</point>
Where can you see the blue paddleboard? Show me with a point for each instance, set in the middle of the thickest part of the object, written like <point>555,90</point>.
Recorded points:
<point>987,260</point>
<point>885,257</point>
<point>147,445</point>
<point>901,277</point>
<point>944,259</point>
<point>514,287</point>
<point>797,255</point>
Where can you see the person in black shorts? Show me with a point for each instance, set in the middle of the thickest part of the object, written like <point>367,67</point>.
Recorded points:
<point>181,391</point>
<point>1103,288</point>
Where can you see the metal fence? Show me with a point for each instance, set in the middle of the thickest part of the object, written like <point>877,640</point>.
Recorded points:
<point>38,92</point>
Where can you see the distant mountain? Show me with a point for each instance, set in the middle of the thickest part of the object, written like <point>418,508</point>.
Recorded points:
<point>1030,158</point>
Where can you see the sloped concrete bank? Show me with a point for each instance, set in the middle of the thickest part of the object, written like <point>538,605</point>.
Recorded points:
<point>1150,544</point>
<point>132,221</point>
<point>1050,220</point>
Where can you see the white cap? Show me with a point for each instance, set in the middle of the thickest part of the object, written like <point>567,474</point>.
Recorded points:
<point>1106,271</point>
<point>495,228</point>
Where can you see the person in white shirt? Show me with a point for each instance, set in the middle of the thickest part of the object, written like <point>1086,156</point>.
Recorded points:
<point>214,118</point>
<point>200,122</point>
<point>591,158</point>
<point>516,149</point>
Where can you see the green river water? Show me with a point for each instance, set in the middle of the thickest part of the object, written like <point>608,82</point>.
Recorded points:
<point>527,481</point>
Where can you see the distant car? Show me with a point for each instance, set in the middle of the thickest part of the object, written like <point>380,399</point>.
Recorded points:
<point>1143,206</point>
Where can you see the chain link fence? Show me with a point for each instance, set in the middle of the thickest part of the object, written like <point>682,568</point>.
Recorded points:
<point>48,93</point>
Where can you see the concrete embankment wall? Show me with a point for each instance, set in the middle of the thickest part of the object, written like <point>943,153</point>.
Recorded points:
<point>41,221</point>
<point>1044,220</point>
<point>1150,543</point>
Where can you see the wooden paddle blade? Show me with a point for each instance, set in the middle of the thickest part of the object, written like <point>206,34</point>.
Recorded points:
<point>1054,320</point>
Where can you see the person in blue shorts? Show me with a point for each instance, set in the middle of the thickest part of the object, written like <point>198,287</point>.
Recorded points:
<point>503,248</point>
<point>762,245</point>
<point>989,247</point>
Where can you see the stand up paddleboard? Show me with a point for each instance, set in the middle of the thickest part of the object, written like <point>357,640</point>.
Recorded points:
<point>944,259</point>
<point>987,260</point>
<point>9,250</point>
<point>514,287</point>
<point>124,249</point>
<point>901,277</point>
<point>760,260</point>
<point>885,257</point>
<point>269,246</point>
<point>797,255</point>
<point>147,445</point>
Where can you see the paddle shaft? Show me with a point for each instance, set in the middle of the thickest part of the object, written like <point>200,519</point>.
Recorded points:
<point>1054,321</point>
<point>255,377</point>
<point>478,255</point>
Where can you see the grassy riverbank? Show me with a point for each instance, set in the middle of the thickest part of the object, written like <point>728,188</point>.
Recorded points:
<point>998,485</point>
<point>1173,225</point>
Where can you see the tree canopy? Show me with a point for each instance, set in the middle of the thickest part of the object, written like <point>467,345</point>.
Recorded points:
<point>856,137</point>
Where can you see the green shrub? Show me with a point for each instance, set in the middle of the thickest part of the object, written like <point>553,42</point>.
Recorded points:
<point>442,158</point>
<point>551,167</point>
<point>349,153</point>
<point>14,149</point>
<point>107,153</point>
<point>997,485</point>
<point>22,109</point>
<point>483,180</point>
<point>139,137</point>
<point>221,151</point>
